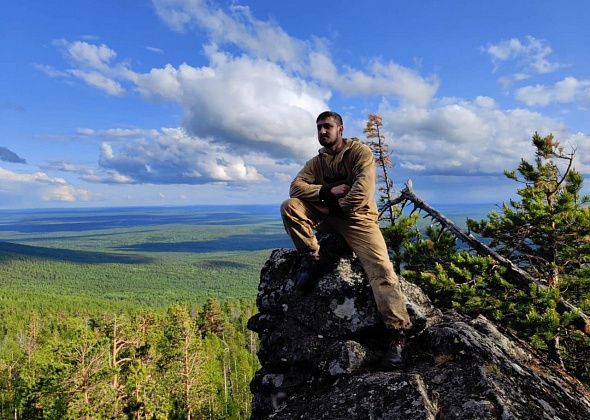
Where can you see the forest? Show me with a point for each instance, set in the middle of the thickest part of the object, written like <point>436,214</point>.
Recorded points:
<point>183,362</point>
<point>137,313</point>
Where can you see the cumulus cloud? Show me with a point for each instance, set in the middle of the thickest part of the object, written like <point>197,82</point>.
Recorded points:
<point>89,174</point>
<point>268,41</point>
<point>567,90</point>
<point>173,157</point>
<point>9,156</point>
<point>531,54</point>
<point>379,79</point>
<point>248,114</point>
<point>41,177</point>
<point>262,97</point>
<point>67,167</point>
<point>460,137</point>
<point>42,185</point>
<point>66,193</point>
<point>507,81</point>
<point>249,103</point>
<point>87,55</point>
<point>92,65</point>
<point>258,38</point>
<point>92,78</point>
<point>111,177</point>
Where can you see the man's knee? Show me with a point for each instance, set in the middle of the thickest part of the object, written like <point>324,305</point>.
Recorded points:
<point>290,206</point>
<point>381,274</point>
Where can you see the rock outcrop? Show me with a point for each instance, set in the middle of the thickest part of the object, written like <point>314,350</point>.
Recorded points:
<point>319,353</point>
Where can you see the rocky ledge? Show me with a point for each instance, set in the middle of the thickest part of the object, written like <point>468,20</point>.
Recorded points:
<point>319,353</point>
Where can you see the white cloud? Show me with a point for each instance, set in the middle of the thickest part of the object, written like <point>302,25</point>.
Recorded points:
<point>506,82</point>
<point>98,80</point>
<point>87,55</point>
<point>379,79</point>
<point>90,175</point>
<point>37,177</point>
<point>112,177</point>
<point>262,39</point>
<point>531,54</point>
<point>173,157</point>
<point>163,82</point>
<point>66,193</point>
<point>93,65</point>
<point>40,185</point>
<point>67,167</point>
<point>264,100</point>
<point>250,104</point>
<point>50,71</point>
<point>581,143</point>
<point>268,41</point>
<point>460,137</point>
<point>567,90</point>
<point>116,133</point>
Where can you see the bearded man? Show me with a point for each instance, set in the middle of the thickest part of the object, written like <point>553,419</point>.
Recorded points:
<point>335,192</point>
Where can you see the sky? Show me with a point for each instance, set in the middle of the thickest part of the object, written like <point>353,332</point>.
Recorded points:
<point>184,102</point>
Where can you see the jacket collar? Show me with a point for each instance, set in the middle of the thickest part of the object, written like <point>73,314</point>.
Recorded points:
<point>347,145</point>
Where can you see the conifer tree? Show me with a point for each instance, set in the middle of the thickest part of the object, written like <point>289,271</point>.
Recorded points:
<point>213,319</point>
<point>185,358</point>
<point>547,231</point>
<point>10,363</point>
<point>122,343</point>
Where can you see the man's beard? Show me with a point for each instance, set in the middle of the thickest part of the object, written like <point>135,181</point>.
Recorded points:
<point>327,141</point>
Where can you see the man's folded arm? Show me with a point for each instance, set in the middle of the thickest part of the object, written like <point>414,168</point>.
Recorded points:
<point>362,189</point>
<point>330,200</point>
<point>305,186</point>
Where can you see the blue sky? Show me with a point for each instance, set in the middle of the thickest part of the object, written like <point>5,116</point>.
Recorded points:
<point>181,102</point>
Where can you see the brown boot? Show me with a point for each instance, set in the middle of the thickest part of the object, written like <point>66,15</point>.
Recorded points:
<point>395,357</point>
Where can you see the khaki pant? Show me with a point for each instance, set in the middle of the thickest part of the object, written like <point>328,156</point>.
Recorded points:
<point>363,236</point>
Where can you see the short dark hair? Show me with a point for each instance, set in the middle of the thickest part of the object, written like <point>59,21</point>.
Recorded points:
<point>330,114</point>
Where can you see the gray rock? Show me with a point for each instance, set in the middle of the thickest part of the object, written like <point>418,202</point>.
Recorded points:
<point>320,356</point>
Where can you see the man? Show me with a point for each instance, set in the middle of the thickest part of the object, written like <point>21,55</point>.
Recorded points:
<point>335,192</point>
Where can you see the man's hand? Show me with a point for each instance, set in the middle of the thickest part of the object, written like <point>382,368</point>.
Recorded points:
<point>321,209</point>
<point>340,190</point>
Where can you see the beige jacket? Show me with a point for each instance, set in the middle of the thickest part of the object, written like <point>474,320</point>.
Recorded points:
<point>353,165</point>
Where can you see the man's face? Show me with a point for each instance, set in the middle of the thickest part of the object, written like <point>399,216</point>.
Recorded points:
<point>329,132</point>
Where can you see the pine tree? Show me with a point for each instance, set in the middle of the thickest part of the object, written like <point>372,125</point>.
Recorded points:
<point>547,231</point>
<point>184,361</point>
<point>213,319</point>
<point>122,345</point>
